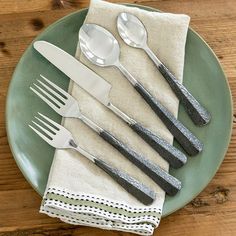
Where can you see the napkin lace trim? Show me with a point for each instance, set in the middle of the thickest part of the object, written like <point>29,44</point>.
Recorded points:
<point>88,204</point>
<point>104,201</point>
<point>102,213</point>
<point>143,229</point>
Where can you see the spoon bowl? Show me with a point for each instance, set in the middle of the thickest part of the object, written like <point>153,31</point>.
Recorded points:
<point>99,45</point>
<point>131,30</point>
<point>102,49</point>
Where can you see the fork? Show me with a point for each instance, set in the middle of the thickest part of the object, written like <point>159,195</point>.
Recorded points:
<point>59,137</point>
<point>67,106</point>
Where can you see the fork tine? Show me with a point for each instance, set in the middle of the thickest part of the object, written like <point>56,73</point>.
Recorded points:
<point>49,95</point>
<point>54,130</point>
<point>56,87</point>
<point>56,94</point>
<point>51,121</point>
<point>50,134</point>
<point>52,105</point>
<point>40,134</point>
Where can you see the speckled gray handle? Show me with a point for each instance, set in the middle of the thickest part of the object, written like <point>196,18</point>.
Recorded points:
<point>143,193</point>
<point>172,155</point>
<point>184,137</point>
<point>199,115</point>
<point>167,182</point>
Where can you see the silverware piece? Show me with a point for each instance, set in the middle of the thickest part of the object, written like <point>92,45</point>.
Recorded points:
<point>67,106</point>
<point>134,34</point>
<point>59,137</point>
<point>100,89</point>
<point>102,49</point>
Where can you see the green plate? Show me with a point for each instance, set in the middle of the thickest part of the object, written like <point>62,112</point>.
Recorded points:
<point>203,76</point>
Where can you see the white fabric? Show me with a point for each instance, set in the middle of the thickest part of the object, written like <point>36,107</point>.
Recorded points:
<point>73,173</point>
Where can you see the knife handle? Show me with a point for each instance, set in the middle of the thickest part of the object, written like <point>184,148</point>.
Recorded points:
<point>198,114</point>
<point>143,193</point>
<point>172,155</point>
<point>184,137</point>
<point>167,182</point>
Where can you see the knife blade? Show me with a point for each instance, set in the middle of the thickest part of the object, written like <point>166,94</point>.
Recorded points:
<point>74,69</point>
<point>100,89</point>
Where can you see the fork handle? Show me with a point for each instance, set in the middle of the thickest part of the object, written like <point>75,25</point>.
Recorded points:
<point>167,182</point>
<point>141,192</point>
<point>183,136</point>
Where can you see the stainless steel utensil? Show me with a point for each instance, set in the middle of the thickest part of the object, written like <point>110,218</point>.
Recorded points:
<point>102,49</point>
<point>134,34</point>
<point>67,106</point>
<point>59,137</point>
<point>100,89</point>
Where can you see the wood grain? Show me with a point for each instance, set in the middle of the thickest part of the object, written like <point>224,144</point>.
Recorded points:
<point>213,212</point>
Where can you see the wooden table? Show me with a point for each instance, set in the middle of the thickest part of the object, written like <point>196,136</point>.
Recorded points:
<point>213,212</point>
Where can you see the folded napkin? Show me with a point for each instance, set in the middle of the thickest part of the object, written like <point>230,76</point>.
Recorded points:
<point>80,193</point>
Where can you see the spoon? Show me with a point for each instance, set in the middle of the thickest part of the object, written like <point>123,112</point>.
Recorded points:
<point>134,33</point>
<point>102,49</point>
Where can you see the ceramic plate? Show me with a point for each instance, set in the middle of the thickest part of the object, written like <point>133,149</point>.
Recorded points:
<point>203,76</point>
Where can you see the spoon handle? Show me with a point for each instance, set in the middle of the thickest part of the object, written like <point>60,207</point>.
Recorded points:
<point>199,115</point>
<point>167,182</point>
<point>172,155</point>
<point>184,136</point>
<point>140,191</point>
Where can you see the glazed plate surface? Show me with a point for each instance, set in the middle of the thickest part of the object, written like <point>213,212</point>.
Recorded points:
<point>203,76</point>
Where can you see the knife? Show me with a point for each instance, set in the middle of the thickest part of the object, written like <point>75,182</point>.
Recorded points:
<point>100,89</point>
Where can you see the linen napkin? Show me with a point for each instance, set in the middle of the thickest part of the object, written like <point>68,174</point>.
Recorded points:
<point>80,193</point>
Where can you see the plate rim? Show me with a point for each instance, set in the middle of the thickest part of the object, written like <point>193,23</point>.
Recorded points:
<point>224,151</point>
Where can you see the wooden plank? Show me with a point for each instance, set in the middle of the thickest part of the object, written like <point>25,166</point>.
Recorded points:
<point>24,6</point>
<point>28,24</point>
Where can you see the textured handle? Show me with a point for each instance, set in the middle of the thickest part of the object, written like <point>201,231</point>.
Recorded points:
<point>131,185</point>
<point>184,137</point>
<point>199,115</point>
<point>171,154</point>
<point>167,182</point>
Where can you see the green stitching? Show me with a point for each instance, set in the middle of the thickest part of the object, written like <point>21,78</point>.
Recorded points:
<point>97,205</point>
